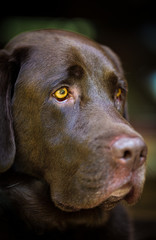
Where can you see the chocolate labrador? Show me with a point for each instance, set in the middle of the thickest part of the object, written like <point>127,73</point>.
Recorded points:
<point>68,154</point>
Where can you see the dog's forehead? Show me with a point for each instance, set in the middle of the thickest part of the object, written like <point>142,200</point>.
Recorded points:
<point>68,47</point>
<point>57,55</point>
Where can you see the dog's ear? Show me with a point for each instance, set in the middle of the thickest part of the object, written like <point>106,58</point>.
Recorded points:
<point>116,61</point>
<point>125,114</point>
<point>9,68</point>
<point>7,141</point>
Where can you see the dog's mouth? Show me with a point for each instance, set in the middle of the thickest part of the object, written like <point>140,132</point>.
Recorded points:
<point>127,188</point>
<point>121,192</point>
<point>116,196</point>
<point>110,202</point>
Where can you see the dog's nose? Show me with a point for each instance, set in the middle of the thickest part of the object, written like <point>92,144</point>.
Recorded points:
<point>129,151</point>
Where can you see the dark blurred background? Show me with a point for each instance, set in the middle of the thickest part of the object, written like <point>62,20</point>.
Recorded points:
<point>129,28</point>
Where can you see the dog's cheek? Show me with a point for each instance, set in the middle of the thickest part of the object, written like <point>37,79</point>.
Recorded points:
<point>28,135</point>
<point>63,162</point>
<point>78,186</point>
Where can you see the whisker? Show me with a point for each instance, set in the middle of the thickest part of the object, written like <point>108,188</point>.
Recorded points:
<point>13,185</point>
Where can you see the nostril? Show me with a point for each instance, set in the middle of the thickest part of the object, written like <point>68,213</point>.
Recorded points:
<point>127,155</point>
<point>143,155</point>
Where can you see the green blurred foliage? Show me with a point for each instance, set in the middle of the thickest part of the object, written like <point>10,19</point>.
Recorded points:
<point>12,26</point>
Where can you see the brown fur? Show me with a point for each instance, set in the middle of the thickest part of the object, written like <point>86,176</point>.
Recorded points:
<point>63,171</point>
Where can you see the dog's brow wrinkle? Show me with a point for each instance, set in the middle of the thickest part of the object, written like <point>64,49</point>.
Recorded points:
<point>76,71</point>
<point>111,76</point>
<point>57,79</point>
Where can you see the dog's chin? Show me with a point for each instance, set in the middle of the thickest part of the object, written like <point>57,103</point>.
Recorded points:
<point>128,190</point>
<point>123,193</point>
<point>65,207</point>
<point>107,204</point>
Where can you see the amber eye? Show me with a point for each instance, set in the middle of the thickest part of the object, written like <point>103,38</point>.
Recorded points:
<point>118,93</point>
<point>61,94</point>
<point>118,99</point>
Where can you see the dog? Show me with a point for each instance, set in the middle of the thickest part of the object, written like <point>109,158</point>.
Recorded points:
<point>68,155</point>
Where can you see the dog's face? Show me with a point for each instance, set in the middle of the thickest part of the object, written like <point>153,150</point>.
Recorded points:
<point>69,115</point>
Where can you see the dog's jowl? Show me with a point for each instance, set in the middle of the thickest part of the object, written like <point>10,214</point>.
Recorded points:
<point>68,155</point>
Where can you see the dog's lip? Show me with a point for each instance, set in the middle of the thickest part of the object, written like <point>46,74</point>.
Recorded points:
<point>113,198</point>
<point>65,207</point>
<point>128,190</point>
<point>122,191</point>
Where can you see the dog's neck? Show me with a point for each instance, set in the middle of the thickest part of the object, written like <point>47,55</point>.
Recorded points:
<point>31,200</point>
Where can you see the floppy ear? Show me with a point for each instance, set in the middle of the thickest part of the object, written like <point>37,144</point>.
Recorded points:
<point>115,59</point>
<point>125,114</point>
<point>7,141</point>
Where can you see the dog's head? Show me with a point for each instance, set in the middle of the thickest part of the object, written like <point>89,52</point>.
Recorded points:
<point>63,102</point>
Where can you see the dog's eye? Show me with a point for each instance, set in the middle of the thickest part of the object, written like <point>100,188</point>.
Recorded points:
<point>61,94</point>
<point>118,93</point>
<point>118,99</point>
